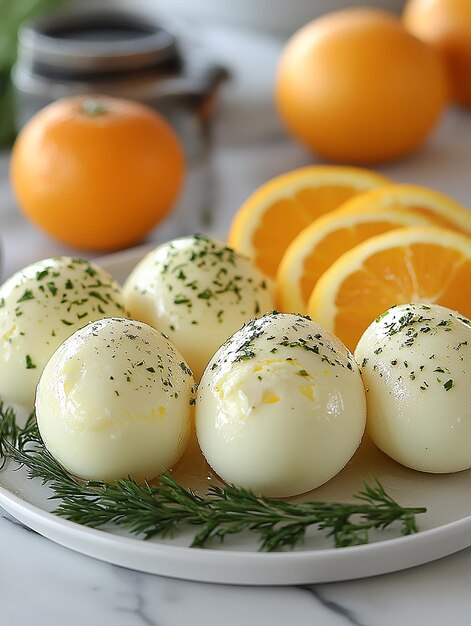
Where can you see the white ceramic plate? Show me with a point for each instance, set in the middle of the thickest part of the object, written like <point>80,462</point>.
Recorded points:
<point>445,528</point>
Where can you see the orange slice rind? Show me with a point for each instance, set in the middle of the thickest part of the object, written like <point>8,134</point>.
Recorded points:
<point>426,264</point>
<point>319,245</point>
<point>275,213</point>
<point>440,209</point>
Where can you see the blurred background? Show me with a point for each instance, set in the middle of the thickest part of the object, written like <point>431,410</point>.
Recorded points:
<point>270,16</point>
<point>183,18</point>
<point>209,67</point>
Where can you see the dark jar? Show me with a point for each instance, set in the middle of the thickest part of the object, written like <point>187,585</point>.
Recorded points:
<point>124,55</point>
<point>118,54</point>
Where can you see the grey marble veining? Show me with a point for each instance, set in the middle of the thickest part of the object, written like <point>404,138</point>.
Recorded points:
<point>42,581</point>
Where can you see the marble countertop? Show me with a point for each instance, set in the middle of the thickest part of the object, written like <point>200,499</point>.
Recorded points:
<point>41,582</point>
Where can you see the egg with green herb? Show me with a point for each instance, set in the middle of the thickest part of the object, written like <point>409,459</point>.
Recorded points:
<point>198,292</point>
<point>281,406</point>
<point>42,305</point>
<point>115,400</point>
<point>416,366</point>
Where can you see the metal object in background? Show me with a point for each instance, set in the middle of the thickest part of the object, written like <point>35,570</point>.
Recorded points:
<point>118,54</point>
<point>124,55</point>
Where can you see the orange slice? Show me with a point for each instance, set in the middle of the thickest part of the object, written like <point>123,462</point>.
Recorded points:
<point>402,266</point>
<point>272,217</point>
<point>316,247</point>
<point>442,210</point>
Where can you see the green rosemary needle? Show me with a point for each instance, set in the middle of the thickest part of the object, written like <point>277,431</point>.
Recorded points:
<point>165,509</point>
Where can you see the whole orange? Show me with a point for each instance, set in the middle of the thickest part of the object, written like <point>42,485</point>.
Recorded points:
<point>97,172</point>
<point>355,86</point>
<point>446,25</point>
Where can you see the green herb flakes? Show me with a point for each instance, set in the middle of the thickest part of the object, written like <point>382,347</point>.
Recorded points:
<point>449,384</point>
<point>30,365</point>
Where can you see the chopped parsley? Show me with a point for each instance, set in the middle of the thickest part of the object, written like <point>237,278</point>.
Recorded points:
<point>27,295</point>
<point>52,288</point>
<point>30,365</point>
<point>42,274</point>
<point>449,384</point>
<point>181,300</point>
<point>207,294</point>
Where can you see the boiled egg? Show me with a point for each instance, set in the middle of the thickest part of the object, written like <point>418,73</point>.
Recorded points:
<point>198,292</point>
<point>281,406</point>
<point>114,401</point>
<point>40,307</point>
<point>416,366</point>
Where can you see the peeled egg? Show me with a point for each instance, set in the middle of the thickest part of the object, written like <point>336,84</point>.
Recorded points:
<point>416,365</point>
<point>114,401</point>
<point>281,406</point>
<point>198,292</point>
<point>40,307</point>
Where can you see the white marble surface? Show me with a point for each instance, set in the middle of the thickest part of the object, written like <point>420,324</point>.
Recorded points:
<point>43,583</point>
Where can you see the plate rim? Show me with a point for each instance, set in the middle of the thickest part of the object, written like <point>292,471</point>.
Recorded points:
<point>224,565</point>
<point>242,567</point>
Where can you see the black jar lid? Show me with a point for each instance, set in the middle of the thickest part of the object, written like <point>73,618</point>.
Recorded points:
<point>98,42</point>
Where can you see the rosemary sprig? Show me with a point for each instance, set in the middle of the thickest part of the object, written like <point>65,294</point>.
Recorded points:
<point>167,508</point>
<point>8,430</point>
